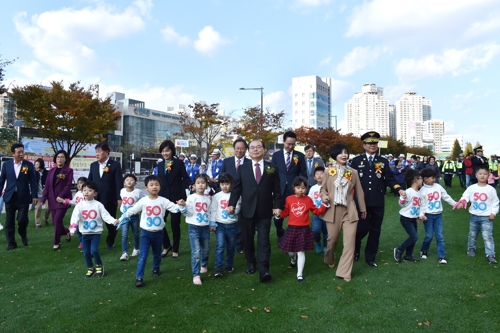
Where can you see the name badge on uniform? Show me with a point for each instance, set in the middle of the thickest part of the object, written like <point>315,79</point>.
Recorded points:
<point>379,175</point>
<point>361,165</point>
<point>361,174</point>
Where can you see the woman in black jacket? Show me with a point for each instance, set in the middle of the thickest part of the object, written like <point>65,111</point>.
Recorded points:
<point>41,177</point>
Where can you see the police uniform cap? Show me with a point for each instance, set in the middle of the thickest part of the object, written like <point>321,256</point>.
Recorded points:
<point>370,137</point>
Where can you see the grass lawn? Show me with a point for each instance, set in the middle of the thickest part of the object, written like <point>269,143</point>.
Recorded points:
<point>45,291</point>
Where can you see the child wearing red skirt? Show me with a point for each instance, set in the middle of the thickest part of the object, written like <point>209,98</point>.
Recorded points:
<point>298,237</point>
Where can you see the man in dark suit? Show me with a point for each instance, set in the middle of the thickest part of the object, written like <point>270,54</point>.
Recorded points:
<point>312,163</point>
<point>21,190</point>
<point>375,175</point>
<point>291,164</point>
<point>231,166</point>
<point>477,160</point>
<point>108,176</point>
<point>258,185</point>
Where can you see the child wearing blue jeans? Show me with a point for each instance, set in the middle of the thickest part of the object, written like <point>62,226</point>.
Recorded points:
<point>224,225</point>
<point>130,196</point>
<point>153,208</point>
<point>197,219</point>
<point>412,211</point>
<point>318,224</point>
<point>432,193</point>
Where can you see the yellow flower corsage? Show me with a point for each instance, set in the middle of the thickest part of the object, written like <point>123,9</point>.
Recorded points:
<point>61,175</point>
<point>316,165</point>
<point>269,170</point>
<point>348,175</point>
<point>332,171</point>
<point>168,165</point>
<point>378,167</point>
<point>106,169</point>
<point>295,159</point>
<point>24,169</point>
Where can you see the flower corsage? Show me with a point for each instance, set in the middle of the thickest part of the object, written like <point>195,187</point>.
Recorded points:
<point>24,169</point>
<point>378,167</point>
<point>106,169</point>
<point>295,159</point>
<point>332,172</point>
<point>348,175</point>
<point>168,165</point>
<point>269,170</point>
<point>63,176</point>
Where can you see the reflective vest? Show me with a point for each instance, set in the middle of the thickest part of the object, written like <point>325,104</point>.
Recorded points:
<point>493,165</point>
<point>460,166</point>
<point>449,167</point>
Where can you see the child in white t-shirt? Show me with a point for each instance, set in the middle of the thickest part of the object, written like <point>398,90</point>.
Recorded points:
<point>77,198</point>
<point>197,217</point>
<point>412,211</point>
<point>130,195</point>
<point>224,225</point>
<point>483,209</point>
<point>318,224</point>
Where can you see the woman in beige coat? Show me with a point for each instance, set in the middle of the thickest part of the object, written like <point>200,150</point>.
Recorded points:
<point>340,184</point>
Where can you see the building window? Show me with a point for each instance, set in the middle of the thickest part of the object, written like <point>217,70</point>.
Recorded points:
<point>303,103</point>
<point>303,95</point>
<point>312,113</point>
<point>296,103</point>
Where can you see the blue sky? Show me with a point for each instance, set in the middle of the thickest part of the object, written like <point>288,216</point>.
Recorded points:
<point>170,52</point>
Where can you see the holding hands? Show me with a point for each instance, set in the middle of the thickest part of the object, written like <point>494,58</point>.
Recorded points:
<point>277,212</point>
<point>181,203</point>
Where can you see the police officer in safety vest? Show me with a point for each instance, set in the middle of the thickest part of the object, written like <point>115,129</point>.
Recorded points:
<point>493,163</point>
<point>461,170</point>
<point>448,170</point>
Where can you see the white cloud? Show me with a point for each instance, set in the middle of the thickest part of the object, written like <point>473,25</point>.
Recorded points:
<point>401,23</point>
<point>209,41</point>
<point>276,101</point>
<point>63,38</point>
<point>357,59</point>
<point>452,61</point>
<point>325,61</point>
<point>340,91</point>
<point>449,127</point>
<point>490,26</point>
<point>393,93</point>
<point>311,3</point>
<point>475,80</point>
<point>171,36</point>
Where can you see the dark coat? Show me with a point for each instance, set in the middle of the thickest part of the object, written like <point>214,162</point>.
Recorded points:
<point>174,182</point>
<point>109,185</point>
<point>298,168</point>
<point>229,165</point>
<point>26,184</point>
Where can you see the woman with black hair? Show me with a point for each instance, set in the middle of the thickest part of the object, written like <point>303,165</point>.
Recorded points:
<point>41,177</point>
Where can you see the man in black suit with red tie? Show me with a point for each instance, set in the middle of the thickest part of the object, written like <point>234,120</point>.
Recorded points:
<point>231,166</point>
<point>258,185</point>
<point>291,164</point>
<point>108,176</point>
<point>20,191</point>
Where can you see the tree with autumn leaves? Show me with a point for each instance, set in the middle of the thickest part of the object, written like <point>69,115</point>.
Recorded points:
<point>69,118</point>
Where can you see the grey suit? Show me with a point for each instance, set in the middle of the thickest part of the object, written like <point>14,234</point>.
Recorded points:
<point>316,162</point>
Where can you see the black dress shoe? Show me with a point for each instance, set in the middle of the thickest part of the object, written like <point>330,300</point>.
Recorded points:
<point>356,256</point>
<point>11,247</point>
<point>56,248</point>
<point>250,268</point>
<point>372,263</point>
<point>25,241</point>
<point>266,277</point>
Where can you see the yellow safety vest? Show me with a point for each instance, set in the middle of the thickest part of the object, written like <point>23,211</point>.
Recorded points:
<point>493,165</point>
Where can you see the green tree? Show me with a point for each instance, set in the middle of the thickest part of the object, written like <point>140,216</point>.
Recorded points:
<point>3,64</point>
<point>456,150</point>
<point>468,148</point>
<point>8,137</point>
<point>204,124</point>
<point>264,126</point>
<point>419,151</point>
<point>67,118</point>
<point>394,147</point>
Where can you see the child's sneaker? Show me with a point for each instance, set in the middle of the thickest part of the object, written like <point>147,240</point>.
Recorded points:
<point>423,255</point>
<point>156,273</point>
<point>218,272</point>
<point>203,270</point>
<point>397,254</point>
<point>80,245</point>
<point>139,283</point>
<point>1,226</point>
<point>197,281</point>
<point>124,256</point>
<point>471,252</point>
<point>99,272</point>
<point>442,261</point>
<point>492,259</point>
<point>229,269</point>
<point>293,261</point>
<point>90,273</point>
<point>135,253</point>
<point>410,259</point>
<point>318,248</point>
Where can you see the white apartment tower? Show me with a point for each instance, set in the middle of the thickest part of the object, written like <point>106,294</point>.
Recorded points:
<point>311,102</point>
<point>368,111</point>
<point>410,110</point>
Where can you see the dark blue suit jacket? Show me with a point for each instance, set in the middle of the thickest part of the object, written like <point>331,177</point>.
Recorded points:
<point>110,184</point>
<point>229,165</point>
<point>298,168</point>
<point>26,184</point>
<point>174,182</point>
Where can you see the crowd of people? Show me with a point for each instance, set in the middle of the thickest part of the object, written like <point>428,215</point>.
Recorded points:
<point>239,195</point>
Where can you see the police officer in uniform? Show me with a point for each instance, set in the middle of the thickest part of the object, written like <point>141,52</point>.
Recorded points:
<point>448,170</point>
<point>375,175</point>
<point>477,160</point>
<point>461,170</point>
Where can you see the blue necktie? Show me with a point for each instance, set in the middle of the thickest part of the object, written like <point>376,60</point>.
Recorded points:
<point>370,161</point>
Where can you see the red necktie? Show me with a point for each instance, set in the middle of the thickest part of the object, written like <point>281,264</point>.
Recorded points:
<point>258,174</point>
<point>238,164</point>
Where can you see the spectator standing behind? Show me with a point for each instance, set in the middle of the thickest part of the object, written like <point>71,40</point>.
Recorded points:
<point>155,170</point>
<point>107,174</point>
<point>468,169</point>
<point>375,176</point>
<point>434,166</point>
<point>449,170</point>
<point>477,160</point>
<point>460,165</point>
<point>193,168</point>
<point>231,165</point>
<point>291,164</point>
<point>58,194</point>
<point>421,165</point>
<point>18,177</point>
<point>41,176</point>
<point>183,159</point>
<point>399,175</point>
<point>312,163</point>
<point>493,164</point>
<point>203,168</point>
<point>214,169</point>
<point>318,224</point>
<point>391,160</point>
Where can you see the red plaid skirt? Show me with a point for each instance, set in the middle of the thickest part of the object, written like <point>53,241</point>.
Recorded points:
<point>297,239</point>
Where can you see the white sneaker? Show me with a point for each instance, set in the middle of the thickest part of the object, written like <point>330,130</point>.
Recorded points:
<point>124,256</point>
<point>1,226</point>
<point>423,255</point>
<point>135,253</point>
<point>442,261</point>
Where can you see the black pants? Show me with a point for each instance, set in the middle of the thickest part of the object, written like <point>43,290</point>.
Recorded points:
<point>248,227</point>
<point>278,223</point>
<point>175,223</point>
<point>447,179</point>
<point>10,219</point>
<point>370,226</point>
<point>110,238</point>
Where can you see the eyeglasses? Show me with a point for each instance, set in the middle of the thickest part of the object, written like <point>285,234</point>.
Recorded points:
<point>255,147</point>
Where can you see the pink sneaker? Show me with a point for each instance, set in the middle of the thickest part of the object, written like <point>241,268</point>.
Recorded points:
<point>80,246</point>
<point>197,281</point>
<point>203,270</point>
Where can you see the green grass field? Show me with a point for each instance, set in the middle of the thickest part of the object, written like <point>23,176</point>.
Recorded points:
<point>45,291</point>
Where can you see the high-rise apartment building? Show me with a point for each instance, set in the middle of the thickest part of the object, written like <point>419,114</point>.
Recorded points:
<point>432,134</point>
<point>7,110</point>
<point>368,111</point>
<point>311,102</point>
<point>411,109</point>
<point>448,140</point>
